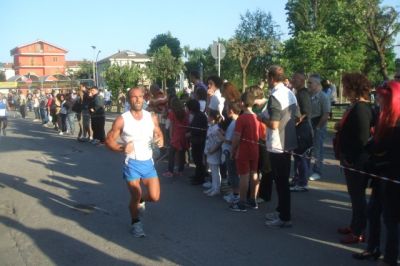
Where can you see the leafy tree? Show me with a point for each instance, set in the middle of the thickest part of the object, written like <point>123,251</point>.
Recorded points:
<point>380,25</point>
<point>164,65</point>
<point>165,39</point>
<point>256,36</point>
<point>85,70</point>
<point>118,78</point>
<point>308,15</point>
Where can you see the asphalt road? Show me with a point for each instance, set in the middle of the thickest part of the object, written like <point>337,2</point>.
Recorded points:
<point>64,203</point>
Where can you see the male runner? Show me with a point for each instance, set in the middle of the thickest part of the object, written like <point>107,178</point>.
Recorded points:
<point>138,129</point>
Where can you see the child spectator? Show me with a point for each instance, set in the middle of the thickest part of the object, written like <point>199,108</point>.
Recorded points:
<point>179,121</point>
<point>213,152</point>
<point>245,151</point>
<point>233,111</point>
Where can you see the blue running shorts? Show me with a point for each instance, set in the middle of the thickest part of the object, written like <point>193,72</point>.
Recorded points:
<point>135,169</point>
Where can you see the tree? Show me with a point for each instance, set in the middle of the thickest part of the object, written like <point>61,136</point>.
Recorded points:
<point>164,65</point>
<point>165,39</point>
<point>380,25</point>
<point>85,70</point>
<point>118,78</point>
<point>255,37</point>
<point>308,15</point>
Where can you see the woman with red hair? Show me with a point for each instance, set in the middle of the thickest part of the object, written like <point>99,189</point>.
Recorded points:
<point>386,145</point>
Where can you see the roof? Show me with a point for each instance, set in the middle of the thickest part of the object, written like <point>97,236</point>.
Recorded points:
<point>73,63</point>
<point>12,51</point>
<point>125,54</point>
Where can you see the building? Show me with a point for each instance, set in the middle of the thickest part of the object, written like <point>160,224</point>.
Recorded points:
<point>8,70</point>
<point>39,58</point>
<point>121,58</point>
<point>72,67</point>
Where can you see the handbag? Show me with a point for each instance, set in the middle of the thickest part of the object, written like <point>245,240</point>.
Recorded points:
<point>304,135</point>
<point>336,137</point>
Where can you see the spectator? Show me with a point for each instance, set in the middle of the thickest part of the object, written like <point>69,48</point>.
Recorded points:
<point>246,153</point>
<point>354,132</point>
<point>320,108</point>
<point>97,116</point>
<point>179,120</point>
<point>197,136</point>
<point>280,119</point>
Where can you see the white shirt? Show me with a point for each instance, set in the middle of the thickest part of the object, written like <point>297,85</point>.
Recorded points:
<point>217,102</point>
<point>140,132</point>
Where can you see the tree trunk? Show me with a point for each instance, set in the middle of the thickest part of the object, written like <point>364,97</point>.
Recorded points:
<point>244,78</point>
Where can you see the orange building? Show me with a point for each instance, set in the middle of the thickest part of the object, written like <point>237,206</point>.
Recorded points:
<point>39,58</point>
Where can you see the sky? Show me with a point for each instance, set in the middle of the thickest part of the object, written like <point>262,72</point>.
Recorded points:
<point>76,25</point>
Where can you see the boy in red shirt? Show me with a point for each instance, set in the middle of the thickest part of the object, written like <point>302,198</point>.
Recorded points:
<point>245,151</point>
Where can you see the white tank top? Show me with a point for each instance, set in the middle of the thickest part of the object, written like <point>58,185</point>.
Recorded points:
<point>141,133</point>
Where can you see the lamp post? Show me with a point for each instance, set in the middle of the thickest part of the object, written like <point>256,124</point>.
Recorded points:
<point>97,71</point>
<point>94,71</point>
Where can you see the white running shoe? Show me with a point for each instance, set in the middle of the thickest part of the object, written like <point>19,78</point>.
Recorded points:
<point>208,190</point>
<point>314,177</point>
<point>137,230</point>
<point>213,193</point>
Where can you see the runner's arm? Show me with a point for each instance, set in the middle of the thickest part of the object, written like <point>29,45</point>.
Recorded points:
<point>114,134</point>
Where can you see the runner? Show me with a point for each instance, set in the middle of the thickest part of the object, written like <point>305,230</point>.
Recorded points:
<point>138,129</point>
<point>3,113</point>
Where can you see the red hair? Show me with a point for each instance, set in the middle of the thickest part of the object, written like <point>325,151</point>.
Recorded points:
<point>389,95</point>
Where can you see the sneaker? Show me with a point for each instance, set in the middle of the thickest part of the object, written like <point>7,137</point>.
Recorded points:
<point>314,177</point>
<point>137,229</point>
<point>208,190</point>
<point>207,184</point>
<point>100,143</point>
<point>142,208</point>
<point>228,197</point>
<point>299,189</point>
<point>213,193</point>
<point>61,133</point>
<point>252,203</point>
<point>279,223</point>
<point>260,200</point>
<point>168,174</point>
<point>238,207</point>
<point>272,216</point>
<point>95,141</point>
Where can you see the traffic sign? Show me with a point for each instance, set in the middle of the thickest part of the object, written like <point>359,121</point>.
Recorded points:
<point>214,50</point>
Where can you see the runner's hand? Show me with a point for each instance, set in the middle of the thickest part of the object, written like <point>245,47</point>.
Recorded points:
<point>129,148</point>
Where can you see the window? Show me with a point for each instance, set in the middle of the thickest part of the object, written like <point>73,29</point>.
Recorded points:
<point>39,47</point>
<point>55,59</point>
<point>32,61</point>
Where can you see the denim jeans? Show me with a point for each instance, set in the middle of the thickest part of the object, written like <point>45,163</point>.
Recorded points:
<point>233,177</point>
<point>301,170</point>
<point>43,115</point>
<point>71,122</point>
<point>318,149</point>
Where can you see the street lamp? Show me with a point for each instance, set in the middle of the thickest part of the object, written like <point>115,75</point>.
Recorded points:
<point>94,55</point>
<point>96,71</point>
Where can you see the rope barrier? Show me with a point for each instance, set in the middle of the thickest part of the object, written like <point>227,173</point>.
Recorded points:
<point>314,159</point>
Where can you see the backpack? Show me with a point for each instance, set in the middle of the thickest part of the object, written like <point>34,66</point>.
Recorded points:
<point>77,106</point>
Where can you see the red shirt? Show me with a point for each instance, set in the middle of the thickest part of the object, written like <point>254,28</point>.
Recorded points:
<point>179,129</point>
<point>248,127</point>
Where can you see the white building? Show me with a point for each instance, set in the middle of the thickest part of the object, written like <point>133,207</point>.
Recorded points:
<point>8,70</point>
<point>121,58</point>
